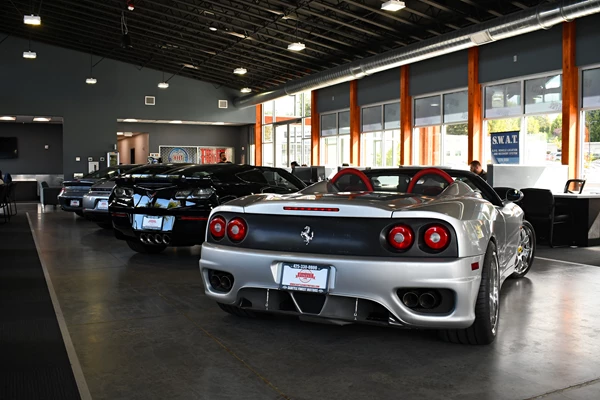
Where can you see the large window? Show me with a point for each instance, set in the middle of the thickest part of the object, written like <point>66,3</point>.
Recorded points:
<point>590,130</point>
<point>335,138</point>
<point>287,131</point>
<point>440,130</point>
<point>529,109</point>
<point>380,135</point>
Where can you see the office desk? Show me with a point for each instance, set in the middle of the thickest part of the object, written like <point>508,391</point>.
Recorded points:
<point>585,210</point>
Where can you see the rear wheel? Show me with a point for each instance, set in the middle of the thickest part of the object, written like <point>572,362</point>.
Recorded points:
<point>237,311</point>
<point>525,251</point>
<point>487,307</point>
<point>145,248</point>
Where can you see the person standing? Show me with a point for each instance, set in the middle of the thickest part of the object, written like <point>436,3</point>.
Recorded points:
<point>476,168</point>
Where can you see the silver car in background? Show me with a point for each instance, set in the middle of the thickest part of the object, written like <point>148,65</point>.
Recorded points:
<point>407,247</point>
<point>95,201</point>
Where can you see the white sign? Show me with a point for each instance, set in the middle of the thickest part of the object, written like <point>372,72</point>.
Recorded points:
<point>102,205</point>
<point>153,223</point>
<point>304,277</point>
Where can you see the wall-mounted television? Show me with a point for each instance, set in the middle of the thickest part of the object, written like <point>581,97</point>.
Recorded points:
<point>8,147</point>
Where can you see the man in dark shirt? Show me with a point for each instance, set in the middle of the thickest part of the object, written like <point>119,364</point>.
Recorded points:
<point>476,168</point>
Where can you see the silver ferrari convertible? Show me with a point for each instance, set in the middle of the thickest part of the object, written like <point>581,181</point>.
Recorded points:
<point>408,247</point>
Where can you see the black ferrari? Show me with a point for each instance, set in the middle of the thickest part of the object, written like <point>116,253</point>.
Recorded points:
<point>155,211</point>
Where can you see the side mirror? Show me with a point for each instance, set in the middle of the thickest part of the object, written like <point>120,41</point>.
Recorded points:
<point>514,195</point>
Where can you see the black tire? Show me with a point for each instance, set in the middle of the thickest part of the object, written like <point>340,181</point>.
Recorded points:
<point>105,225</point>
<point>522,270</point>
<point>237,311</point>
<point>483,331</point>
<point>145,248</point>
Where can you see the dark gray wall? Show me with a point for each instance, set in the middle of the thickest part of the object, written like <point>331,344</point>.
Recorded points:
<point>333,98</point>
<point>588,40</point>
<point>536,52</point>
<point>33,157</point>
<point>439,74</point>
<point>54,85</point>
<point>192,135</point>
<point>379,88</point>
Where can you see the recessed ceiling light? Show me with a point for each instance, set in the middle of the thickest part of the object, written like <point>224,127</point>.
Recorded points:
<point>163,85</point>
<point>41,119</point>
<point>212,28</point>
<point>32,19</point>
<point>176,122</point>
<point>91,81</point>
<point>393,5</point>
<point>29,54</point>
<point>8,118</point>
<point>240,35</point>
<point>240,71</point>
<point>119,133</point>
<point>192,66</point>
<point>246,90</point>
<point>130,120</point>
<point>296,46</point>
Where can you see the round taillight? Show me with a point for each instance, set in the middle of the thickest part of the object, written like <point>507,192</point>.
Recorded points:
<point>400,237</point>
<point>237,229</point>
<point>217,227</point>
<point>437,237</point>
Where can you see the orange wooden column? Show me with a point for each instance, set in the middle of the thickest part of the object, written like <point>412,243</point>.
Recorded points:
<point>354,125</point>
<point>570,95</point>
<point>475,124</point>
<point>315,130</point>
<point>405,118</point>
<point>258,136</point>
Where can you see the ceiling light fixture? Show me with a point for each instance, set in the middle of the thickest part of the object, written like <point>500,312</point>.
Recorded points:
<point>130,120</point>
<point>246,90</point>
<point>41,119</point>
<point>218,123</point>
<point>393,5</point>
<point>164,84</point>
<point>176,122</point>
<point>119,133</point>
<point>130,5</point>
<point>298,46</point>
<point>29,54</point>
<point>32,19</point>
<point>128,134</point>
<point>8,118</point>
<point>91,80</point>
<point>240,71</point>
<point>212,28</point>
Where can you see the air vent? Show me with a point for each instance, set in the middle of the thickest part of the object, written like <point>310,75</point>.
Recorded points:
<point>223,104</point>
<point>480,38</point>
<point>150,100</point>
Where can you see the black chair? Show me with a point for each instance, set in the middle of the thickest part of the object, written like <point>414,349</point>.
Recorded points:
<point>4,202</point>
<point>49,195</point>
<point>540,211</point>
<point>574,186</point>
<point>11,198</point>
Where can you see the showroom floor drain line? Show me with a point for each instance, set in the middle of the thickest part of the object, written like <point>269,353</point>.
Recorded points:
<point>227,349</point>
<point>565,262</point>
<point>577,386</point>
<point>84,391</point>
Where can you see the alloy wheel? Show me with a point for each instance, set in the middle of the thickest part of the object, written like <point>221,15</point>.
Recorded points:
<point>525,250</point>
<point>494,293</point>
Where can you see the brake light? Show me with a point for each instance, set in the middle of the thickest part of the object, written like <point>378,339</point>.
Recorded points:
<point>311,209</point>
<point>400,237</point>
<point>437,237</point>
<point>237,229</point>
<point>217,227</point>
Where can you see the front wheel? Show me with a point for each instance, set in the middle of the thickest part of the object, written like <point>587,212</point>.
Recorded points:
<point>487,307</point>
<point>145,248</point>
<point>525,251</point>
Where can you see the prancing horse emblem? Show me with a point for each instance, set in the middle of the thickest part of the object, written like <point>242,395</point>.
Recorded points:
<point>307,235</point>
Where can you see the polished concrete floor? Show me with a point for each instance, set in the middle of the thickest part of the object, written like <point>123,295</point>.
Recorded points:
<point>143,329</point>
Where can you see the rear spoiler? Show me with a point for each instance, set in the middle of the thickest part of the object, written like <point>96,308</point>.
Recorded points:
<point>130,180</point>
<point>78,183</point>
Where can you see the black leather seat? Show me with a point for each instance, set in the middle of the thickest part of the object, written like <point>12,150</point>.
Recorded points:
<point>540,211</point>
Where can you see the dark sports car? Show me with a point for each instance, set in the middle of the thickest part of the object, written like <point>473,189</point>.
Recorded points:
<point>70,197</point>
<point>151,213</point>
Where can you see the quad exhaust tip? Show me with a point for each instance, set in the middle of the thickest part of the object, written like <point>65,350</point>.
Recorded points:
<point>155,239</point>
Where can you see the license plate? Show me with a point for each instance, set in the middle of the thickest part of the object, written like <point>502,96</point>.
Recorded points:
<point>304,277</point>
<point>153,223</point>
<point>102,205</point>
<point>74,203</point>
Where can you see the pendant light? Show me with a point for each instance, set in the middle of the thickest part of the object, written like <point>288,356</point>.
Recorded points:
<point>91,80</point>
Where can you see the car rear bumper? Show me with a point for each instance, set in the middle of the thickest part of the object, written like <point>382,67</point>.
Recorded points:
<point>181,232</point>
<point>90,208</point>
<point>356,284</point>
<point>65,203</point>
